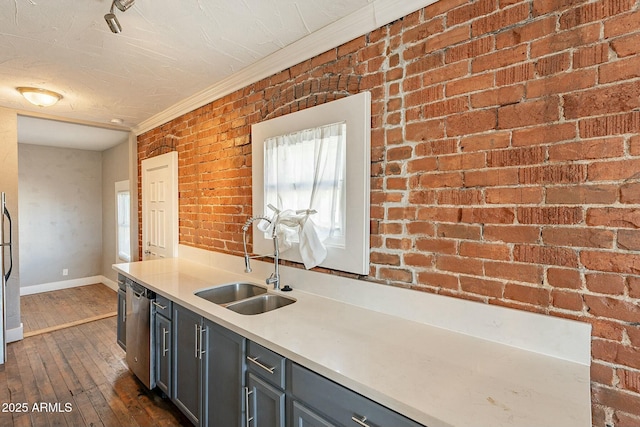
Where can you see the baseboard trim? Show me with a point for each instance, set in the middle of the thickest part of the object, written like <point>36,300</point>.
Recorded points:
<point>65,284</point>
<point>15,334</point>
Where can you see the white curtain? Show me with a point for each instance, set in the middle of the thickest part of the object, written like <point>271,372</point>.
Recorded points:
<point>305,170</point>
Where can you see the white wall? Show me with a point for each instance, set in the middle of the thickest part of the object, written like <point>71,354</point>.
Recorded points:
<point>60,214</point>
<point>115,167</point>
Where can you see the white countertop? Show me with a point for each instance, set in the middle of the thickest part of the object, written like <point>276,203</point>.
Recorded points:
<point>429,374</point>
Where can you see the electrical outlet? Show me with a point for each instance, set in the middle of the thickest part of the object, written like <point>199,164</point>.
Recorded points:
<point>65,272</point>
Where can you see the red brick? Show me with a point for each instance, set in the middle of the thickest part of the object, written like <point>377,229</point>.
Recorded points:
<point>516,157</point>
<point>605,100</point>
<point>627,45</point>
<point>527,32</point>
<point>469,11</point>
<point>492,177</point>
<point>512,233</point>
<point>549,215</point>
<point>482,215</point>
<point>564,278</point>
<point>553,174</point>
<point>582,195</point>
<point>578,237</point>
<point>629,240</point>
<point>614,217</point>
<point>515,74</point>
<point>518,195</point>
<point>623,69</point>
<point>544,134</point>
<point>527,294</point>
<point>385,258</point>
<point>436,279</point>
<point>499,59</point>
<point>441,180</point>
<point>459,265</point>
<point>528,273</point>
<point>470,49</point>
<point>613,308</point>
<point>471,122</point>
<point>421,228</point>
<point>600,148</point>
<point>490,288</point>
<point>547,255</point>
<point>438,246</point>
<point>462,161</point>
<point>446,73</point>
<point>500,96</point>
<point>600,283</point>
<point>553,64</point>
<point>591,55</point>
<point>630,193</point>
<point>473,83</point>
<point>425,130</point>
<point>459,231</point>
<point>458,197</point>
<point>446,107</point>
<point>610,125</point>
<point>610,262</point>
<point>484,142</point>
<point>419,33</point>
<point>439,214</point>
<point>503,18</point>
<point>562,83</point>
<point>614,170</point>
<point>566,300</point>
<point>395,275</point>
<point>559,41</point>
<point>485,250</point>
<point>417,259</point>
<point>541,7</point>
<point>621,25</point>
<point>528,113</point>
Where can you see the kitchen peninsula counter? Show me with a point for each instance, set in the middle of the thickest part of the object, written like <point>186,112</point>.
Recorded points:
<point>435,376</point>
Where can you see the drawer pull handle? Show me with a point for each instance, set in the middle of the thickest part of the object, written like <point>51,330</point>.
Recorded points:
<point>248,417</point>
<point>160,306</point>
<point>165,349</point>
<point>266,368</point>
<point>360,422</point>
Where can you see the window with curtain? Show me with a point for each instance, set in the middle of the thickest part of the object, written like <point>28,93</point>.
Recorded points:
<point>326,168</point>
<point>123,207</point>
<point>306,170</point>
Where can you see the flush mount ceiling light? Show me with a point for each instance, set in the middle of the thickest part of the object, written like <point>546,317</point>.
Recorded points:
<point>112,20</point>
<point>39,97</point>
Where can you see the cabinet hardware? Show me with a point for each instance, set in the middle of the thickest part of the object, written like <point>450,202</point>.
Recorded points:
<point>255,361</point>
<point>201,346</point>
<point>360,422</point>
<point>160,306</point>
<point>196,349</point>
<point>248,418</point>
<point>165,349</point>
<point>123,313</point>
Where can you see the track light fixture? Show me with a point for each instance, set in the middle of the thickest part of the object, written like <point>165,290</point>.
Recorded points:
<point>112,20</point>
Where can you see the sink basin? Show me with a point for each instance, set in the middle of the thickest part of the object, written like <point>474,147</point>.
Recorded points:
<point>226,294</point>
<point>260,304</point>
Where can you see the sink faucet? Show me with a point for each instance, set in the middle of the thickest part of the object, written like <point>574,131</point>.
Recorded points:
<point>274,278</point>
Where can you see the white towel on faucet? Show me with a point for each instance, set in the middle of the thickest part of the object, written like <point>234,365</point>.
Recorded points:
<point>288,224</point>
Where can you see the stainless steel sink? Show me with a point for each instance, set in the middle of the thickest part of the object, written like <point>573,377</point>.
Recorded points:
<point>225,294</point>
<point>260,304</point>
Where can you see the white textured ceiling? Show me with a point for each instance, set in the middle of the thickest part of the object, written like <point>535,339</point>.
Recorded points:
<point>167,51</point>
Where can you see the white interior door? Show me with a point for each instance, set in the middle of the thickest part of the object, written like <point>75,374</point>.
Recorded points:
<point>160,206</point>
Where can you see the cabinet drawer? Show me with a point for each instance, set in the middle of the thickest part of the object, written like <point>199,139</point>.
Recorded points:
<point>266,364</point>
<point>163,306</point>
<point>345,407</point>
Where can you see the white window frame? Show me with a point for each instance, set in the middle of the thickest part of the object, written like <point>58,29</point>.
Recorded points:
<point>122,187</point>
<point>356,111</point>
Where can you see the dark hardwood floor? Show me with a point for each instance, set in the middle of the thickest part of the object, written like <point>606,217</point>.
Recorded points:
<point>76,375</point>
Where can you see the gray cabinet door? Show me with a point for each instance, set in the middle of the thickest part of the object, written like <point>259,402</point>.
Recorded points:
<point>121,331</point>
<point>186,362</point>
<point>163,353</point>
<point>305,417</point>
<point>266,403</point>
<point>223,377</point>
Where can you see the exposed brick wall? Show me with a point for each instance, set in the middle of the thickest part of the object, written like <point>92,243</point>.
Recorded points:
<point>505,163</point>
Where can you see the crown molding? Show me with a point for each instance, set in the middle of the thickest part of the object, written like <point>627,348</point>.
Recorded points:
<point>374,15</point>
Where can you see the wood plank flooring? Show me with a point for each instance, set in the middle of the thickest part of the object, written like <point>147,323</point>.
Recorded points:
<point>50,309</point>
<point>76,376</point>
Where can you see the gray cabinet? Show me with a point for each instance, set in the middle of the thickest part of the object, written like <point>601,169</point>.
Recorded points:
<point>163,351</point>
<point>187,336</point>
<point>265,393</point>
<point>223,377</point>
<point>305,417</point>
<point>340,405</point>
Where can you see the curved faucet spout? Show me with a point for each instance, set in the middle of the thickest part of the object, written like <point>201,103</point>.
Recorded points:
<point>275,276</point>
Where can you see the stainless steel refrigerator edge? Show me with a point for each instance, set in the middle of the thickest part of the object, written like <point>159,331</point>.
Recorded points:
<point>5,248</point>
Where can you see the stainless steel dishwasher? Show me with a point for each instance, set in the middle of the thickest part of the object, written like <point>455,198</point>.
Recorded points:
<point>139,337</point>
